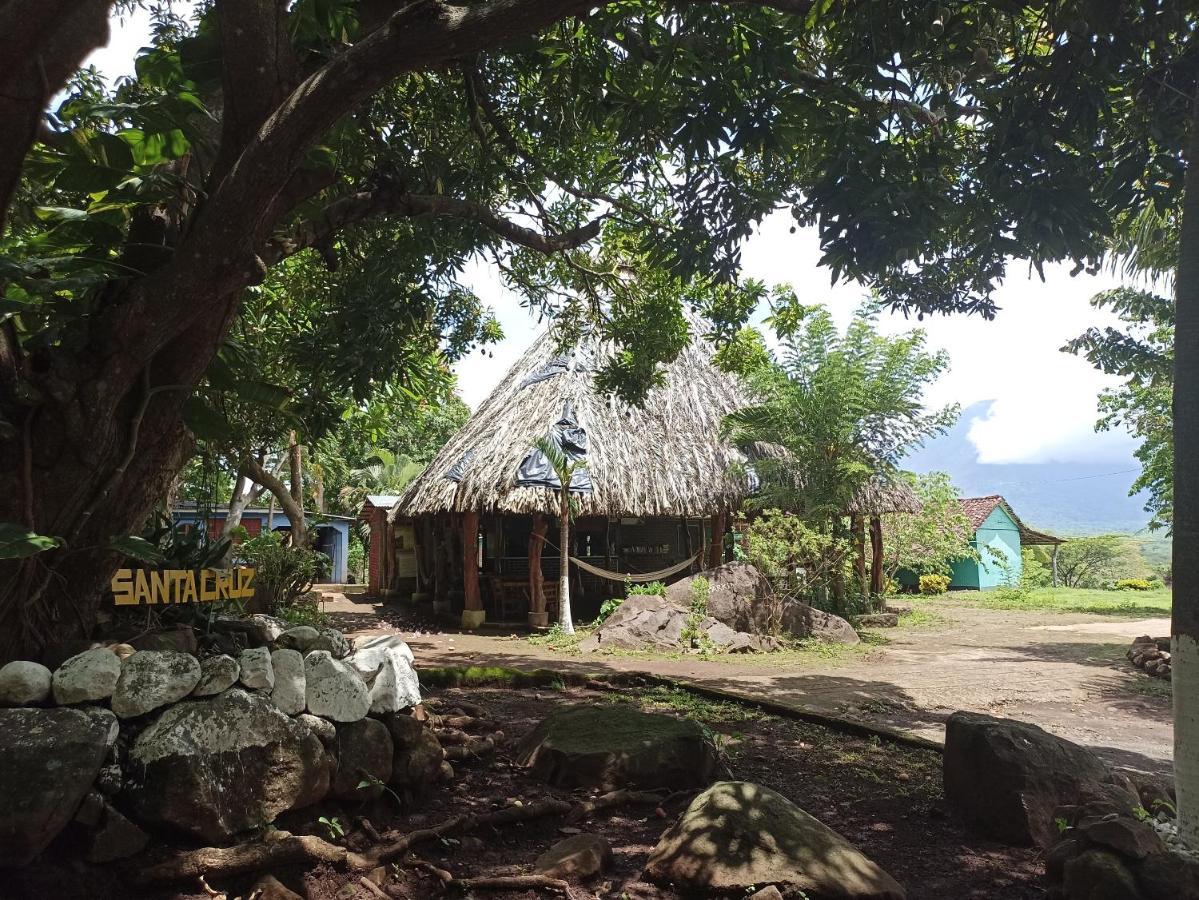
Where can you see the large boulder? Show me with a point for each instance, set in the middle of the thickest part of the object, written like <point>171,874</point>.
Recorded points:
<point>299,638</point>
<point>385,664</point>
<point>332,641</point>
<point>86,677</point>
<point>737,596</point>
<point>334,690</point>
<point>641,622</point>
<point>220,766</point>
<point>803,621</point>
<point>24,683</point>
<point>736,835</point>
<point>1006,778</point>
<point>48,761</point>
<point>616,746</point>
<point>364,760</point>
<point>153,678</point>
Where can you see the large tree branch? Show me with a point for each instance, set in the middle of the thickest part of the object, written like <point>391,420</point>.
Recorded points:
<point>258,70</point>
<point>44,41</point>
<point>295,515</point>
<point>384,201</point>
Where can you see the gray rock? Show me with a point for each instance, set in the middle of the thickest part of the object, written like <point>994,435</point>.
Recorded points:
<point>217,673</point>
<point>646,621</point>
<point>265,629</point>
<point>1101,875</point>
<point>385,664</point>
<point>1129,837</point>
<point>110,779</point>
<point>803,621</point>
<point>24,683</point>
<point>322,728</point>
<point>89,676</point>
<point>738,596</point>
<point>577,857</point>
<point>617,746</point>
<point>289,690</point>
<point>256,669</point>
<point>1007,778</point>
<point>364,754</point>
<point>1170,876</point>
<point>418,754</point>
<point>219,766</point>
<point>181,639</point>
<point>876,620</point>
<point>153,678</point>
<point>333,641</point>
<point>300,638</point>
<point>736,835</point>
<point>50,757</point>
<point>115,838</point>
<point>334,690</point>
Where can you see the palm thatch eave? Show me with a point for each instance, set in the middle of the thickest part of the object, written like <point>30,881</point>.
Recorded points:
<point>664,458</point>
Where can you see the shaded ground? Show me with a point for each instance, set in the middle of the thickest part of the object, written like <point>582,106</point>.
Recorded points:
<point>1063,671</point>
<point>884,798</point>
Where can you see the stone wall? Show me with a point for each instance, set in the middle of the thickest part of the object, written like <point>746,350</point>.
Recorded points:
<point>118,742</point>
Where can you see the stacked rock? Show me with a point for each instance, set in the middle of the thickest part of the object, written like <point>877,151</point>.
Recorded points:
<point>1151,655</point>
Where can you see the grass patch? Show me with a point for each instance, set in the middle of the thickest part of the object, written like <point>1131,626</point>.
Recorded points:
<point>489,676</point>
<point>661,698</point>
<point>1147,686</point>
<point>560,641</point>
<point>921,618</point>
<point>1129,604</point>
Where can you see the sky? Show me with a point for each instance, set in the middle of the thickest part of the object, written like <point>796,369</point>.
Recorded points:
<point>1042,401</point>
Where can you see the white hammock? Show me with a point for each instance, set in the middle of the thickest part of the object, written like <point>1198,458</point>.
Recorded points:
<point>640,577</point>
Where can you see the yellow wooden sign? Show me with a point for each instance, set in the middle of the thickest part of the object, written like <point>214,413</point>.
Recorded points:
<point>132,587</point>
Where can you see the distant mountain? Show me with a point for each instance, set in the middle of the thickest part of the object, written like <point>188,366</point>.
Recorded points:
<point>1060,497</point>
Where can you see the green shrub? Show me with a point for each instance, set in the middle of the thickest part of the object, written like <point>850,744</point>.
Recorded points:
<point>934,584</point>
<point>653,588</point>
<point>1133,584</point>
<point>608,607</point>
<point>356,560</point>
<point>701,590</point>
<point>283,573</point>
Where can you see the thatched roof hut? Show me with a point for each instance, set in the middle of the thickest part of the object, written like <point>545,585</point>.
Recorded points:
<point>665,458</point>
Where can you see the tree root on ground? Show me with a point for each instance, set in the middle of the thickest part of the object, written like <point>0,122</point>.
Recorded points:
<point>284,849</point>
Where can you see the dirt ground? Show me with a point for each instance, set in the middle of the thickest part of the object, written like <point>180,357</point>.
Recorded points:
<point>885,798</point>
<point>1064,671</point>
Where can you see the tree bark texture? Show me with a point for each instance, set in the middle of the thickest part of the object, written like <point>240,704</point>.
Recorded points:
<point>1185,614</point>
<point>716,548</point>
<point>564,618</point>
<point>470,561</point>
<point>877,582</point>
<point>536,579</point>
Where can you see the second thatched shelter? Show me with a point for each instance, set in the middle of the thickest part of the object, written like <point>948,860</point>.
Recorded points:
<point>654,496</point>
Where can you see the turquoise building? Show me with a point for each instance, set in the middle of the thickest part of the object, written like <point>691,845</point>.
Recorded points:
<point>998,537</point>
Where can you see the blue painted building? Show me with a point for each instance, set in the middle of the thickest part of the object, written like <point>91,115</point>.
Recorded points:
<point>998,538</point>
<point>330,534</point>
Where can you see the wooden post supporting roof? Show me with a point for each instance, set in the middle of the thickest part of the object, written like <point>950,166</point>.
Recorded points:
<point>858,527</point>
<point>1055,546</point>
<point>876,556</point>
<point>536,579</point>
<point>716,549</point>
<point>470,560</point>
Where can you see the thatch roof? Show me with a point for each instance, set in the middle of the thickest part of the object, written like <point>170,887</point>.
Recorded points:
<point>664,458</point>
<point>884,495</point>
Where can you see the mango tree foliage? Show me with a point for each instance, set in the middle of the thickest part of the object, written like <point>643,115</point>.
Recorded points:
<point>1143,355</point>
<point>932,540</point>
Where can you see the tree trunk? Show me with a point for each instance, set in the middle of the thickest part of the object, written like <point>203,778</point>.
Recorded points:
<point>441,576</point>
<point>858,527</point>
<point>716,549</point>
<point>536,579</point>
<point>1185,615</point>
<point>564,618</point>
<point>877,585</point>
<point>238,501</point>
<point>279,491</point>
<point>470,561</point>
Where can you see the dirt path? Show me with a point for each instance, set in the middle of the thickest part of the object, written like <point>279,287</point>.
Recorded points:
<point>1063,671</point>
